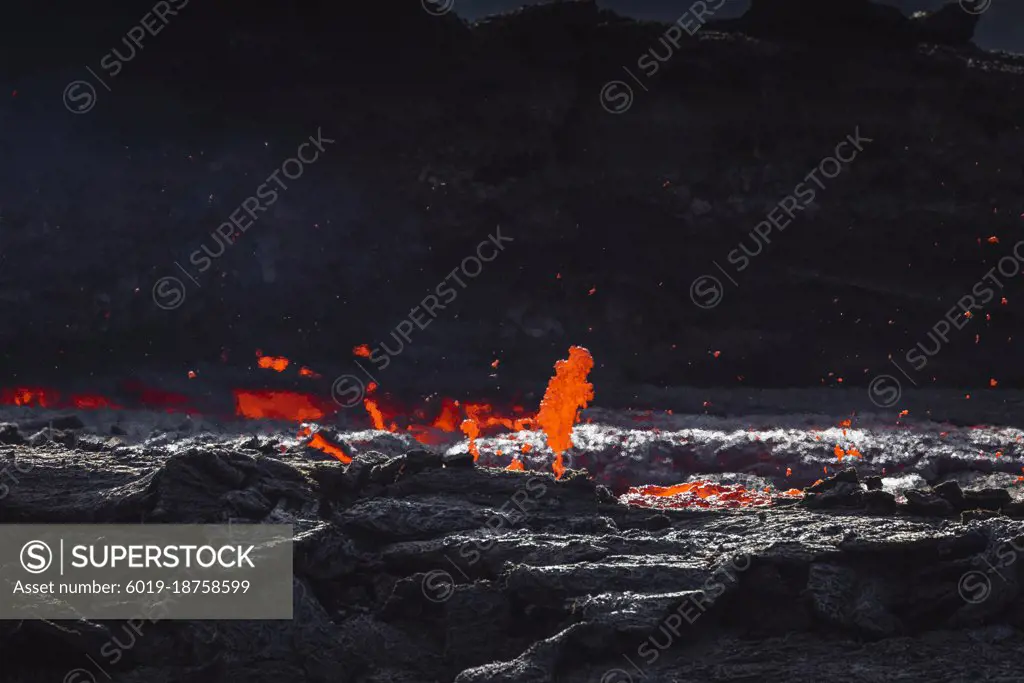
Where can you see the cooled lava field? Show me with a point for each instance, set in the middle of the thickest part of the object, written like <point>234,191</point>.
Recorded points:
<point>448,298</point>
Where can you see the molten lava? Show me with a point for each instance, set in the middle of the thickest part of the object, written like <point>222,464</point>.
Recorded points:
<point>376,416</point>
<point>276,405</point>
<point>275,363</point>
<point>472,430</point>
<point>700,494</point>
<point>568,392</point>
<point>23,396</point>
<point>322,444</point>
<point>448,420</point>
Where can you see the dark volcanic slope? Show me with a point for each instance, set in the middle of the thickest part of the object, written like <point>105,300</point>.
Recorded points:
<point>446,131</point>
<point>422,568</point>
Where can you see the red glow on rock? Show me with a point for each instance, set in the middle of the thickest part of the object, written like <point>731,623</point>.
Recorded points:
<point>157,399</point>
<point>91,402</point>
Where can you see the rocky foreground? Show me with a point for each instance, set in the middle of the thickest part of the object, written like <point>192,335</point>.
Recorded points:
<point>422,566</point>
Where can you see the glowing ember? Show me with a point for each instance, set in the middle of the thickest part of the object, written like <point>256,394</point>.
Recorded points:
<point>306,372</point>
<point>363,351</point>
<point>568,392</point>
<point>276,405</point>
<point>516,466</point>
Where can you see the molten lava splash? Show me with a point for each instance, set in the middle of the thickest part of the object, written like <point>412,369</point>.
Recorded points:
<point>276,405</point>
<point>375,415</point>
<point>700,494</point>
<point>568,392</point>
<point>472,430</point>
<point>306,372</point>
<point>363,351</point>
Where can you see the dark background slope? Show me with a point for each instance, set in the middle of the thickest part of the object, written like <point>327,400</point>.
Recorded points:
<point>444,133</point>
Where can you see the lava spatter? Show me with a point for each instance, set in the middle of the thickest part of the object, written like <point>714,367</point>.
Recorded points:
<point>568,392</point>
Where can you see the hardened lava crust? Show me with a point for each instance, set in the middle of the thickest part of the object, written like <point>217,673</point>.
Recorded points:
<point>422,565</point>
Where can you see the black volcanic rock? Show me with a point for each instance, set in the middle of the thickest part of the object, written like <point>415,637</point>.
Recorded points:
<point>949,25</point>
<point>837,22</point>
<point>987,499</point>
<point>473,574</point>
<point>847,475</point>
<point>860,23</point>
<point>925,502</point>
<point>879,502</point>
<point>10,434</point>
<point>951,492</point>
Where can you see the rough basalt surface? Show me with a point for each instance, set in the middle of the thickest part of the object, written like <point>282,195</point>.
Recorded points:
<point>407,569</point>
